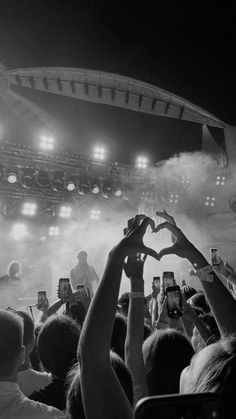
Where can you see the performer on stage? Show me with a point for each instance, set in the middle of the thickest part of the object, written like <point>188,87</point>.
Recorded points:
<point>11,285</point>
<point>83,274</point>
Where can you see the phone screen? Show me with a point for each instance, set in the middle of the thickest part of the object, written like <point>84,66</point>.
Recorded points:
<point>168,279</point>
<point>215,257</point>
<point>42,300</point>
<point>185,406</point>
<point>156,282</point>
<point>174,301</point>
<point>63,288</point>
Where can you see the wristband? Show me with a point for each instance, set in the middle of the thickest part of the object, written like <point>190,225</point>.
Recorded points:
<point>136,295</point>
<point>205,273</point>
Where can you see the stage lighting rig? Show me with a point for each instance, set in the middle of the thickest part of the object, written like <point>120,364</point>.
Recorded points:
<point>12,177</point>
<point>43,179</point>
<point>28,179</point>
<point>106,189</point>
<point>47,143</point>
<point>220,180</point>
<point>2,171</point>
<point>117,192</point>
<point>141,162</point>
<point>70,185</point>
<point>99,153</point>
<point>58,181</point>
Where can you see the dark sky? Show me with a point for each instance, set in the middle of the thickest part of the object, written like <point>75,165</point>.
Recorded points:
<point>188,50</point>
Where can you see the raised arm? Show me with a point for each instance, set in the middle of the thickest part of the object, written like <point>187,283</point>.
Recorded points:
<point>221,301</point>
<point>103,396</point>
<point>135,328</point>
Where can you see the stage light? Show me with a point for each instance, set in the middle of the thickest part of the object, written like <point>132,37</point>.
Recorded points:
<point>117,192</point>
<point>106,189</point>
<point>94,188</point>
<point>99,153</point>
<point>70,185</point>
<point>29,208</point>
<point>54,231</point>
<point>43,179</point>
<point>220,180</point>
<point>12,177</point>
<point>174,198</point>
<point>95,214</point>
<point>2,171</point>
<point>28,178</point>
<point>141,162</point>
<point>65,211</point>
<point>58,181</point>
<point>210,201</point>
<point>185,179</point>
<point>19,231</point>
<point>47,143</point>
<point>83,188</point>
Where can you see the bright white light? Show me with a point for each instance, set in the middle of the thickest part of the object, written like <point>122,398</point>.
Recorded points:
<point>185,179</point>
<point>65,212</point>
<point>19,231</point>
<point>95,189</point>
<point>54,231</point>
<point>99,153</point>
<point>95,214</point>
<point>70,186</point>
<point>210,201</point>
<point>142,162</point>
<point>12,178</point>
<point>118,193</point>
<point>174,198</point>
<point>220,180</point>
<point>47,143</point>
<point>29,208</point>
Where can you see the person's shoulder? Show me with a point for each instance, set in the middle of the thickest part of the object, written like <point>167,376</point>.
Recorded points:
<point>34,409</point>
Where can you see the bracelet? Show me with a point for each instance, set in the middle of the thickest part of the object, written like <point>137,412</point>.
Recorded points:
<point>205,273</point>
<point>133,295</point>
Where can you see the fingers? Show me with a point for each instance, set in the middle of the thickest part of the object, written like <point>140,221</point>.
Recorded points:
<point>167,217</point>
<point>145,223</point>
<point>144,258</point>
<point>148,251</point>
<point>172,228</point>
<point>167,251</point>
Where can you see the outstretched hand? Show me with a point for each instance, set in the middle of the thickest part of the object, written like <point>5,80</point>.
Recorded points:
<point>132,243</point>
<point>182,247</point>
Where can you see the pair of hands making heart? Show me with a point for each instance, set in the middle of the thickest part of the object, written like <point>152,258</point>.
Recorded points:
<point>132,243</point>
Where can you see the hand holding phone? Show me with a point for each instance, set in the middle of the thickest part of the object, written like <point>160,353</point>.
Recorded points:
<point>174,302</point>
<point>63,289</point>
<point>42,301</point>
<point>215,256</point>
<point>168,280</point>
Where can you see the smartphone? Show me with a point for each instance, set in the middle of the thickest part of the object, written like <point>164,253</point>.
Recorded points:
<point>174,301</point>
<point>180,406</point>
<point>156,280</point>
<point>63,290</point>
<point>215,257</point>
<point>42,300</point>
<point>168,280</point>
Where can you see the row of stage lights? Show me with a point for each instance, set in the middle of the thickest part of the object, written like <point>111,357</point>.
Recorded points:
<point>30,178</point>
<point>32,209</point>
<point>47,143</point>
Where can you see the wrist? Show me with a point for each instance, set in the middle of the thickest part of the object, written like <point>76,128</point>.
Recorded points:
<point>197,259</point>
<point>137,284</point>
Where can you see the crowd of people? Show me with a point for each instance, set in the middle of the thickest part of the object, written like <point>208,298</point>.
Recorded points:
<point>104,353</point>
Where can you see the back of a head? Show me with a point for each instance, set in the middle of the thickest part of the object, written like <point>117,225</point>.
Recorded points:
<point>219,375</point>
<point>75,409</point>
<point>166,353</point>
<point>57,344</point>
<point>11,341</point>
<point>82,256</point>
<point>119,335</point>
<point>28,337</point>
<point>188,291</point>
<point>199,300</point>
<point>13,268</point>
